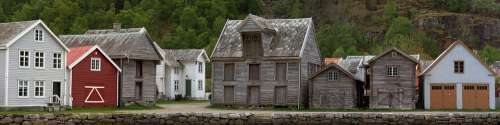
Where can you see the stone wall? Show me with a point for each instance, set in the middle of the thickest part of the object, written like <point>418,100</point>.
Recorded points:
<point>248,118</point>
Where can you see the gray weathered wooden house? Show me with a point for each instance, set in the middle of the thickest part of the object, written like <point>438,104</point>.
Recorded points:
<point>392,80</point>
<point>333,87</point>
<point>134,51</point>
<point>264,62</point>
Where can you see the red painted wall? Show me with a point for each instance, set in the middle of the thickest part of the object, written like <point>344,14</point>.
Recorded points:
<point>82,76</point>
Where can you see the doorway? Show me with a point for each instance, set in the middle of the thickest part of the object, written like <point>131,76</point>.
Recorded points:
<point>188,88</point>
<point>138,90</point>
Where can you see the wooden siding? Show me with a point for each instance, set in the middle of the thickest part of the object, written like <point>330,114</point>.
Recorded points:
<point>397,92</point>
<point>2,77</point>
<point>339,93</point>
<point>129,80</point>
<point>82,76</point>
<point>310,55</point>
<point>48,74</point>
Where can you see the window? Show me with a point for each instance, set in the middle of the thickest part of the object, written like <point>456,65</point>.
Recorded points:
<point>176,70</point>
<point>200,67</point>
<point>57,61</point>
<point>459,67</point>
<point>176,85</point>
<point>333,75</point>
<point>22,88</point>
<point>200,84</point>
<point>252,44</point>
<point>95,64</point>
<point>392,71</point>
<point>312,68</point>
<point>281,69</point>
<point>39,89</point>
<point>254,72</point>
<point>229,72</point>
<point>39,59</point>
<point>24,57</point>
<point>394,54</point>
<point>138,69</point>
<point>38,35</point>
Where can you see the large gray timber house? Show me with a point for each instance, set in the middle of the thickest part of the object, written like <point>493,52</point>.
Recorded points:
<point>264,62</point>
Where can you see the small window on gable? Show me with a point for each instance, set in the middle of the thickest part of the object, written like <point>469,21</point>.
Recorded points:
<point>252,44</point>
<point>458,67</point>
<point>38,35</point>
<point>333,75</point>
<point>394,54</point>
<point>95,64</point>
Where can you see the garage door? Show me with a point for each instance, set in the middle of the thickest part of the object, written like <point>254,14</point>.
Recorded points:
<point>443,97</point>
<point>475,96</point>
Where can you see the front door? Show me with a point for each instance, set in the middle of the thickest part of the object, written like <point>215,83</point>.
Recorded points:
<point>138,90</point>
<point>56,88</point>
<point>188,88</point>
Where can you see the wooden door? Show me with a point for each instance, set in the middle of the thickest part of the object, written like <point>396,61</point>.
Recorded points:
<point>138,90</point>
<point>468,95</point>
<point>188,88</point>
<point>280,95</point>
<point>449,97</point>
<point>436,97</point>
<point>228,94</point>
<point>482,97</point>
<point>475,96</point>
<point>253,95</point>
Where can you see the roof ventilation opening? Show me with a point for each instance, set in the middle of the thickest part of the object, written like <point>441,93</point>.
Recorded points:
<point>117,26</point>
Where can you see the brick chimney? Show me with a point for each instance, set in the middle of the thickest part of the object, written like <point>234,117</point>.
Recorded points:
<point>117,26</point>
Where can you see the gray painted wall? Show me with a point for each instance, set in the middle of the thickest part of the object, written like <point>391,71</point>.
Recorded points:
<point>129,80</point>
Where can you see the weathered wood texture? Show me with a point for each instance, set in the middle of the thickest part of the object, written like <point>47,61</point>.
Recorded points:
<point>396,92</point>
<point>339,93</point>
<point>129,79</point>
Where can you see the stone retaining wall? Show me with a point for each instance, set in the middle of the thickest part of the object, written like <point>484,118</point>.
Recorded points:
<point>248,118</point>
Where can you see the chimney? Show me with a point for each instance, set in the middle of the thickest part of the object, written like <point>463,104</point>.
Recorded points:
<point>117,26</point>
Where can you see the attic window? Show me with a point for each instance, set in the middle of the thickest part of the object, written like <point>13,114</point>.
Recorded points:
<point>333,75</point>
<point>394,54</point>
<point>459,67</point>
<point>38,35</point>
<point>252,44</point>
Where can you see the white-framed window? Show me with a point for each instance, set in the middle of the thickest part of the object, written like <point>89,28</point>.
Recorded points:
<point>394,54</point>
<point>38,35</point>
<point>95,64</point>
<point>176,70</point>
<point>39,60</point>
<point>24,59</point>
<point>333,75</point>
<point>57,61</point>
<point>22,88</point>
<point>200,67</point>
<point>39,88</point>
<point>392,71</point>
<point>200,84</point>
<point>176,85</point>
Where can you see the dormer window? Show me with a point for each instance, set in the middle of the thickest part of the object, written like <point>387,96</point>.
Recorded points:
<point>252,44</point>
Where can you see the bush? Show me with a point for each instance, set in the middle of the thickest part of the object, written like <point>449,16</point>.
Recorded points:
<point>486,6</point>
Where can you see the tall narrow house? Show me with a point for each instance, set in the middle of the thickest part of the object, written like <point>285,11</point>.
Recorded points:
<point>392,80</point>
<point>134,52</point>
<point>264,62</point>
<point>32,62</point>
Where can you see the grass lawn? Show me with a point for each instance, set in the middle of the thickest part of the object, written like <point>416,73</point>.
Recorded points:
<point>182,101</point>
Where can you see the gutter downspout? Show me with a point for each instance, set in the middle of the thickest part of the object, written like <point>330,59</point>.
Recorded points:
<point>120,84</point>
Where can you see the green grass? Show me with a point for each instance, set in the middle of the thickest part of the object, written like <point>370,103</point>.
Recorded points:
<point>182,101</point>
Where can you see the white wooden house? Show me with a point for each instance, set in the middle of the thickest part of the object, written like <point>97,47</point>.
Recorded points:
<point>458,79</point>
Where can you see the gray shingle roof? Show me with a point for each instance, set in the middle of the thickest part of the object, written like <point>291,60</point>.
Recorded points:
<point>290,34</point>
<point>133,44</point>
<point>9,31</point>
<point>185,54</point>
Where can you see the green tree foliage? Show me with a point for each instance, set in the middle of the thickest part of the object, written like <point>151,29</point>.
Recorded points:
<point>390,11</point>
<point>453,5</point>
<point>486,6</point>
<point>334,38</point>
<point>288,8</point>
<point>490,54</point>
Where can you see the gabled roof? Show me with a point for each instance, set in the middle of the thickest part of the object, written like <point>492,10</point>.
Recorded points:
<point>77,54</point>
<point>134,43</point>
<point>12,31</point>
<point>411,58</point>
<point>187,54</point>
<point>261,22</point>
<point>286,40</point>
<point>331,66</point>
<point>448,50</point>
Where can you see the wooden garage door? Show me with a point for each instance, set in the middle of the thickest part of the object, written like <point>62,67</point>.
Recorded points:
<point>253,95</point>
<point>228,94</point>
<point>475,96</point>
<point>443,97</point>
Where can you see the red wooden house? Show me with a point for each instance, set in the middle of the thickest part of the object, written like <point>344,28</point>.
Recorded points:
<point>93,76</point>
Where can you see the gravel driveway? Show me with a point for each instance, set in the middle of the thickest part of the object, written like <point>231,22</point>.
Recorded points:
<point>194,107</point>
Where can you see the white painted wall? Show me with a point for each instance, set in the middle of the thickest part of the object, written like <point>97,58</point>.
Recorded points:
<point>191,73</point>
<point>474,72</point>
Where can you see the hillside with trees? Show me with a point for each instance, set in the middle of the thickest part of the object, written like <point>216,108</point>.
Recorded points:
<point>343,27</point>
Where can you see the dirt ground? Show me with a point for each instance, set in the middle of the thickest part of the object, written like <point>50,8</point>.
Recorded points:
<point>194,107</point>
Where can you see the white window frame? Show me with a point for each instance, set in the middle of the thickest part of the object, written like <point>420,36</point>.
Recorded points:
<point>38,35</point>
<point>200,67</point>
<point>200,85</point>
<point>25,84</point>
<point>27,57</point>
<point>392,71</point>
<point>333,75</point>
<point>42,58</point>
<point>176,85</point>
<point>39,84</point>
<point>59,62</point>
<point>176,70</point>
<point>95,64</point>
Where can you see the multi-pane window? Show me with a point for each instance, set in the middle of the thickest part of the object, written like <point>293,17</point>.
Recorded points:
<point>24,57</point>
<point>254,72</point>
<point>333,75</point>
<point>176,85</point>
<point>39,59</point>
<point>57,60</point>
<point>252,44</point>
<point>200,84</point>
<point>176,70</point>
<point>200,67</point>
<point>229,72</point>
<point>95,64</point>
<point>38,35</point>
<point>39,89</point>
<point>281,71</point>
<point>459,67</point>
<point>22,88</point>
<point>138,69</point>
<point>392,71</point>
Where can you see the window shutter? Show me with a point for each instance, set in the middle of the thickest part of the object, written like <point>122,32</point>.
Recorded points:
<point>281,71</point>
